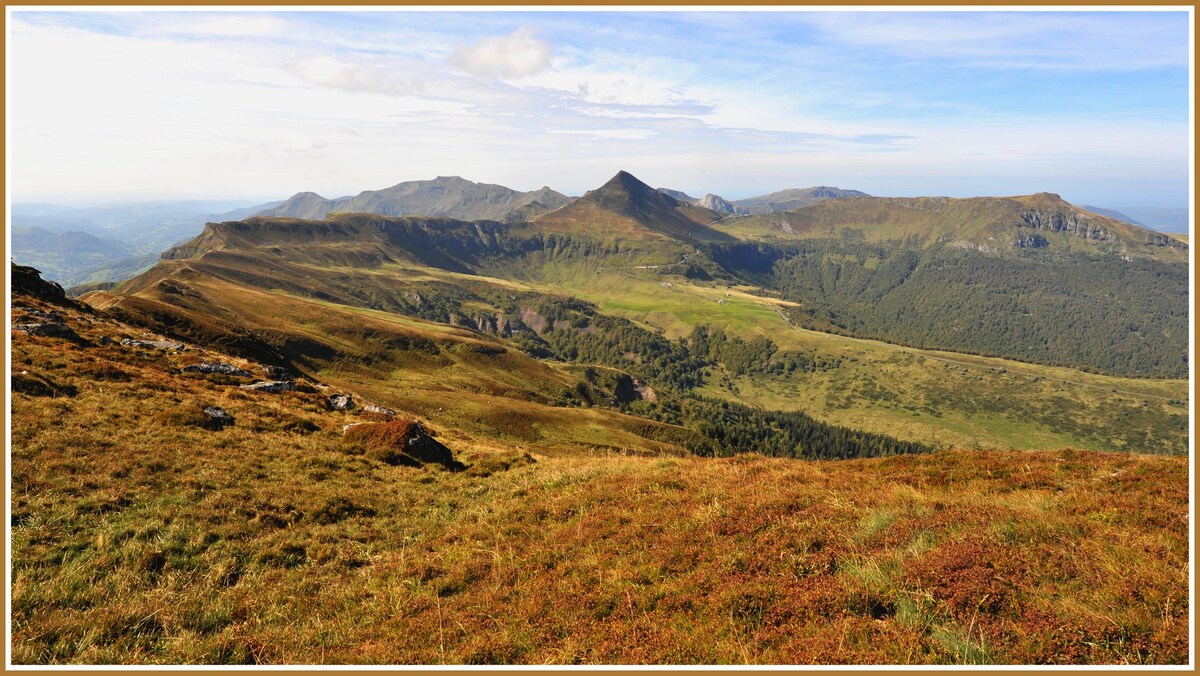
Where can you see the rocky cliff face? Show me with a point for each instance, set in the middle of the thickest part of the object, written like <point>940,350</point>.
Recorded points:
<point>721,206</point>
<point>27,280</point>
<point>1074,224</point>
<point>1159,239</point>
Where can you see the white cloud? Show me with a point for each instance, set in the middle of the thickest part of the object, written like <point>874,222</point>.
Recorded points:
<point>516,55</point>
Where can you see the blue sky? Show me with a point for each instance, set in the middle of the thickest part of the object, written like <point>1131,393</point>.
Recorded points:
<point>169,104</point>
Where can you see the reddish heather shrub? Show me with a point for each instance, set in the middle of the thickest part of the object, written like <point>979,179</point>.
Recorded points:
<point>971,577</point>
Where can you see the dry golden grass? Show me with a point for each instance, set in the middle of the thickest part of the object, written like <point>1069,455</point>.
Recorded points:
<point>138,536</point>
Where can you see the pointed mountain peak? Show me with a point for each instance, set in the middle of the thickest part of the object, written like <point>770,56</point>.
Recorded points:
<point>628,207</point>
<point>625,185</point>
<point>628,181</point>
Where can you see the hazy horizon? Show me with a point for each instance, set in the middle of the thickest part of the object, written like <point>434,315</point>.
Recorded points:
<point>248,106</point>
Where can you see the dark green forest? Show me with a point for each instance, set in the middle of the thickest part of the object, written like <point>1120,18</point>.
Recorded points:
<point>1091,312</point>
<point>677,367</point>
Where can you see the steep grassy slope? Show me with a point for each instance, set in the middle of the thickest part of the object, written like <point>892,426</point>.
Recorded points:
<point>343,324</point>
<point>450,376</point>
<point>393,265</point>
<point>140,536</point>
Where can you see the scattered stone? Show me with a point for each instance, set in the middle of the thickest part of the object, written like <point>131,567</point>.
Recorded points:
<point>154,344</point>
<point>277,372</point>
<point>340,402</point>
<point>270,386</point>
<point>376,408</point>
<point>33,314</point>
<point>218,417</point>
<point>348,426</point>
<point>217,367</point>
<point>401,442</point>
<point>55,329</point>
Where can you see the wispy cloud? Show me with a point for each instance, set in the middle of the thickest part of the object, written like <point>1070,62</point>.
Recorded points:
<point>518,54</point>
<point>356,76</point>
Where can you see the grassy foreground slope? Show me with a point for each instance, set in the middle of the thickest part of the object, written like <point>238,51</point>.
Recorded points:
<point>139,536</point>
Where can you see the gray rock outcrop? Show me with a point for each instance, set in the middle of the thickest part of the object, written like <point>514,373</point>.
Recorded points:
<point>217,367</point>
<point>1073,224</point>
<point>272,386</point>
<point>218,417</point>
<point>153,344</point>
<point>340,402</point>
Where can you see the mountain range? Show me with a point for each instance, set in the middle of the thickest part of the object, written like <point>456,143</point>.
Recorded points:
<point>995,276</point>
<point>443,196</point>
<point>92,247</point>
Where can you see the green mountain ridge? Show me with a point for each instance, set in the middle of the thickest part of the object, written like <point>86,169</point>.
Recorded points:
<point>992,276</point>
<point>989,224</point>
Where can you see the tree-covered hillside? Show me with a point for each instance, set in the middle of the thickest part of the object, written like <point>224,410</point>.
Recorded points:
<point>1093,312</point>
